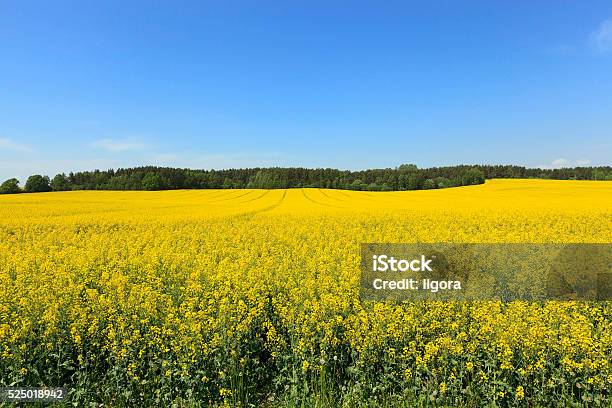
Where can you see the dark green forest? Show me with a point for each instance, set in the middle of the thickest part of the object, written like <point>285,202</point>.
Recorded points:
<point>404,177</point>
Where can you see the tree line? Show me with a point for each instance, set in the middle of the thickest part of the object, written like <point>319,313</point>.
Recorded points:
<point>404,177</point>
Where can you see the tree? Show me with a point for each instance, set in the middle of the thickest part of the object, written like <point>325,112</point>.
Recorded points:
<point>227,183</point>
<point>60,183</point>
<point>153,181</point>
<point>600,174</point>
<point>472,176</point>
<point>10,186</point>
<point>357,185</point>
<point>408,168</point>
<point>37,184</point>
<point>442,182</point>
<point>429,184</point>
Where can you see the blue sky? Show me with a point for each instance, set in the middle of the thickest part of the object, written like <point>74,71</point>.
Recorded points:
<point>359,84</point>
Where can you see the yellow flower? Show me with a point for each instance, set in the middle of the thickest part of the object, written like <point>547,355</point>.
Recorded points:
<point>200,284</point>
<point>520,392</point>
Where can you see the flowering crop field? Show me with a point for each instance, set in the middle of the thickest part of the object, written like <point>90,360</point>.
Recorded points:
<point>251,297</point>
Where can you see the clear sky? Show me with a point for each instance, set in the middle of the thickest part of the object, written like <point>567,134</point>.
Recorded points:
<point>352,84</point>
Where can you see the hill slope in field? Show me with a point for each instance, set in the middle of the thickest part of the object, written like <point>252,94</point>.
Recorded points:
<point>498,194</point>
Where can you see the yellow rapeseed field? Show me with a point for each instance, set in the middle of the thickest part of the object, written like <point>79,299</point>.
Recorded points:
<point>252,296</point>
